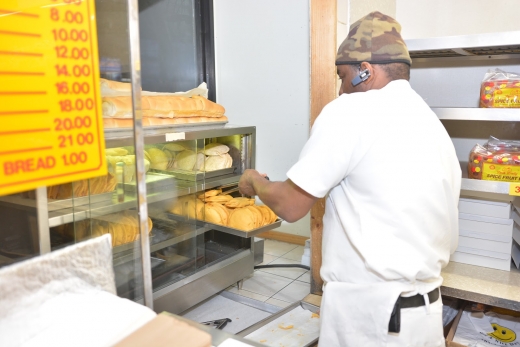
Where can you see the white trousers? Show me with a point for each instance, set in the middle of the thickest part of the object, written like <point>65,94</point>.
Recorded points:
<point>419,328</point>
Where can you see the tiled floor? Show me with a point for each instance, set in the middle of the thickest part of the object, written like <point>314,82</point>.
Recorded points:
<point>277,286</point>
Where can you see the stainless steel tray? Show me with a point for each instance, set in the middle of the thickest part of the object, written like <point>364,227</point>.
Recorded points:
<point>54,205</point>
<point>195,175</point>
<point>154,181</point>
<point>166,126</point>
<point>228,230</point>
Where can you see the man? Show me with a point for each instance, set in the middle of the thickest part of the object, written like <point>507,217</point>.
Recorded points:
<point>391,179</point>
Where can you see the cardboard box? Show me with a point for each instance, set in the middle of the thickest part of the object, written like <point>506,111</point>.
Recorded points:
<point>489,208</point>
<point>487,245</point>
<point>483,258</point>
<point>163,331</point>
<point>453,329</point>
<point>487,225</point>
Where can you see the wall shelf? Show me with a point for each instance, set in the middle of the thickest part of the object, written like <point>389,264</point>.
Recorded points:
<point>478,114</point>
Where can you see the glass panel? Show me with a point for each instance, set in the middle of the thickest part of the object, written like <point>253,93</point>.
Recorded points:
<point>19,228</point>
<point>170,45</point>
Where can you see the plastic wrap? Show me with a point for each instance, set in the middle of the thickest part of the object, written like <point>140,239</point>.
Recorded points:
<point>496,160</point>
<point>500,89</point>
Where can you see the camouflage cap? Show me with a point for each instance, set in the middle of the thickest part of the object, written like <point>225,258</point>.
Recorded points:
<point>375,38</point>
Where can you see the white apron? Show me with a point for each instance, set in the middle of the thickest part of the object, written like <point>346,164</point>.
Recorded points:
<point>354,315</point>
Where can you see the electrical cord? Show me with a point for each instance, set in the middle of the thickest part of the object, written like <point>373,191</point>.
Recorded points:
<point>281,265</point>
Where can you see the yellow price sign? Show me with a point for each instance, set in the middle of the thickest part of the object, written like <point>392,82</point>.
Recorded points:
<point>50,105</point>
<point>514,189</point>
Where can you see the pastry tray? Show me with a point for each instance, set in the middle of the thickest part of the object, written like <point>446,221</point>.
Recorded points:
<point>228,230</point>
<point>54,205</point>
<point>195,175</point>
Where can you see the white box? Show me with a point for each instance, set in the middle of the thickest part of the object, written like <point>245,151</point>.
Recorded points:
<point>515,254</point>
<point>516,216</point>
<point>481,260</point>
<point>486,245</point>
<point>484,236</point>
<point>489,208</point>
<point>486,225</point>
<point>516,232</point>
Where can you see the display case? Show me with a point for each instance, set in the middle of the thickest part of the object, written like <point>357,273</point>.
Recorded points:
<point>163,199</point>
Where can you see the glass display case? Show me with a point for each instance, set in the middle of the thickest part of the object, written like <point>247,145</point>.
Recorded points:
<point>163,199</point>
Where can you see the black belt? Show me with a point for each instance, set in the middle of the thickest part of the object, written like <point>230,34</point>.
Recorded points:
<point>394,325</point>
<point>418,299</point>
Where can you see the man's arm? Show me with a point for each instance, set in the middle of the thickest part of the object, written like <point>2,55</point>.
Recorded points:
<point>286,199</point>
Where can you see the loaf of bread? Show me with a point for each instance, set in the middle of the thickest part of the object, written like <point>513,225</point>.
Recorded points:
<point>163,107</point>
<point>500,89</point>
<point>109,85</point>
<point>496,160</point>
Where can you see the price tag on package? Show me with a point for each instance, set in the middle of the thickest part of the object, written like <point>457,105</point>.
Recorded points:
<point>514,189</point>
<point>50,105</point>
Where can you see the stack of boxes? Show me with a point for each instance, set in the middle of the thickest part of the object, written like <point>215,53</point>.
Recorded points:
<point>486,233</point>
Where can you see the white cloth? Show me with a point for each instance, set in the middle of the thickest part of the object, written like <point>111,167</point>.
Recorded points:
<point>66,298</point>
<point>393,181</point>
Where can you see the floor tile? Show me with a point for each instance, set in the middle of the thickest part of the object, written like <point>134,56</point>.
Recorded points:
<point>247,294</point>
<point>306,277</point>
<point>278,303</point>
<point>268,258</point>
<point>289,272</point>
<point>266,284</point>
<point>295,254</point>
<point>277,248</point>
<point>293,292</point>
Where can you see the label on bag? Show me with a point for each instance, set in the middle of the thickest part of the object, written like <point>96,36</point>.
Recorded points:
<point>500,172</point>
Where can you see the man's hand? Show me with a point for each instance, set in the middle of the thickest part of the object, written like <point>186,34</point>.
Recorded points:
<point>246,185</point>
<point>286,199</point>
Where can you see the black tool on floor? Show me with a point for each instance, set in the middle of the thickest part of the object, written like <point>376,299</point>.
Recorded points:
<point>218,323</point>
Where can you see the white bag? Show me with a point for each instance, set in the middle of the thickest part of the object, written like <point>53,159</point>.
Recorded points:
<point>478,329</point>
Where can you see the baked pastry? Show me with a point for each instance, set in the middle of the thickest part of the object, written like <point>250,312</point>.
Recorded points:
<point>159,159</point>
<point>185,160</point>
<point>174,147</point>
<point>217,162</point>
<point>216,213</point>
<point>109,85</point>
<point>242,219</point>
<point>239,202</point>
<point>215,149</point>
<point>219,198</point>
<point>209,193</point>
<point>199,163</point>
<point>116,151</point>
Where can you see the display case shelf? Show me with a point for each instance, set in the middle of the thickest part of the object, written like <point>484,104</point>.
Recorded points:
<point>478,114</point>
<point>124,137</point>
<point>472,187</point>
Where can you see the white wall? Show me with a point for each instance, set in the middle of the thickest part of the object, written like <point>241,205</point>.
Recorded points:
<point>262,79</point>
<point>428,18</point>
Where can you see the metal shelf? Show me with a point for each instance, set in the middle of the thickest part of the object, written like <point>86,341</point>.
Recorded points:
<point>125,137</point>
<point>486,189</point>
<point>478,114</point>
<point>226,229</point>
<point>478,46</point>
